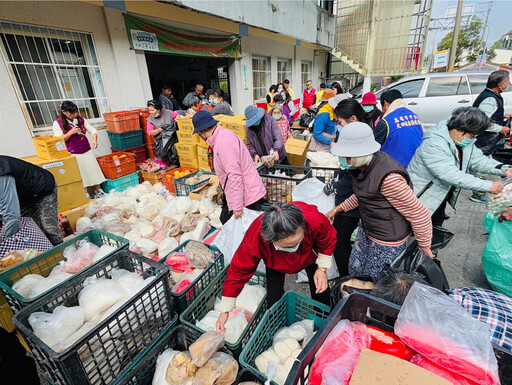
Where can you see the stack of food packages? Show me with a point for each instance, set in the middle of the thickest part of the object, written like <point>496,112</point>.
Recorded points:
<point>280,186</point>
<point>188,143</point>
<point>154,221</point>
<point>201,364</point>
<point>497,204</point>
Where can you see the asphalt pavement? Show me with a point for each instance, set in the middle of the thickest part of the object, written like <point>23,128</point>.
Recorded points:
<point>462,258</point>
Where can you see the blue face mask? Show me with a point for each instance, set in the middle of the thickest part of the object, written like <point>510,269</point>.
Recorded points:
<point>288,249</point>
<point>280,90</point>
<point>215,101</point>
<point>344,164</point>
<point>465,142</point>
<point>368,108</point>
<point>277,117</point>
<point>339,127</point>
<point>257,123</point>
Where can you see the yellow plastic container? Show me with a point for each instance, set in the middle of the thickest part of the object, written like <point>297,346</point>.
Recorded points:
<point>186,150</point>
<point>188,137</point>
<point>185,125</point>
<point>186,161</point>
<point>202,163</point>
<point>202,151</point>
<point>50,147</point>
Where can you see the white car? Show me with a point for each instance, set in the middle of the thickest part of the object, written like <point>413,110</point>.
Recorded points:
<point>434,96</point>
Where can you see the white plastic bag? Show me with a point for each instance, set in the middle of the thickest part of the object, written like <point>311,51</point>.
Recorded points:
<point>102,252</point>
<point>311,191</point>
<point>53,328</point>
<point>166,246</point>
<point>25,285</point>
<point>233,232</point>
<point>48,283</point>
<point>235,326</point>
<point>441,330</point>
<point>209,321</point>
<point>250,297</point>
<point>206,207</point>
<point>129,281</point>
<point>162,363</point>
<point>98,295</point>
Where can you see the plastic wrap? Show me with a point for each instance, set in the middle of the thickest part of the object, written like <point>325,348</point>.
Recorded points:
<point>83,224</point>
<point>497,204</point>
<point>454,378</point>
<point>144,188</point>
<point>322,159</point>
<point>171,227</point>
<point>209,321</point>
<point>235,326</point>
<point>178,262</point>
<point>189,223</point>
<point>133,235</point>
<point>221,369</point>
<point>98,295</point>
<point>149,213</point>
<point>206,207</point>
<point>184,281</point>
<point>199,255</point>
<point>169,208</point>
<point>48,283</point>
<point>194,207</point>
<point>183,204</point>
<point>162,363</point>
<point>146,246</point>
<point>159,188</point>
<point>205,347</point>
<point>166,246</point>
<point>24,286</point>
<point>250,297</point>
<point>129,281</point>
<point>52,328</point>
<point>102,252</point>
<point>338,355</point>
<point>91,210</point>
<point>298,331</point>
<point>180,371</point>
<point>117,228</point>
<point>201,230</point>
<point>439,329</point>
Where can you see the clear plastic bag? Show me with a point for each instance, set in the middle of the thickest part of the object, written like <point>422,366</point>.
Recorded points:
<point>221,369</point>
<point>250,297</point>
<point>205,347</point>
<point>501,202</point>
<point>102,252</point>
<point>25,285</point>
<point>53,328</point>
<point>162,363</point>
<point>206,207</point>
<point>48,283</point>
<point>98,295</point>
<point>439,329</point>
<point>199,255</point>
<point>235,326</point>
<point>181,370</point>
<point>209,321</point>
<point>337,357</point>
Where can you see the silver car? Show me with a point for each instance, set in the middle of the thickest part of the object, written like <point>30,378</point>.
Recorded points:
<point>434,96</point>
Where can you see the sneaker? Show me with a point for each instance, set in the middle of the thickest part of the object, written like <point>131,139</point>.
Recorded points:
<point>476,199</point>
<point>99,194</point>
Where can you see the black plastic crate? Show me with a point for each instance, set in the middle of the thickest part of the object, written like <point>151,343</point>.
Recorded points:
<point>323,174</point>
<point>106,351</point>
<point>280,187</point>
<point>373,311</point>
<point>248,374</point>
<point>174,337</point>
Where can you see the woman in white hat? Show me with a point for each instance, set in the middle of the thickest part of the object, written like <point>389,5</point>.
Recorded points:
<point>389,210</point>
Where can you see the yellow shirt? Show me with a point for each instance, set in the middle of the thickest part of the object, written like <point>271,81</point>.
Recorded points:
<point>319,95</point>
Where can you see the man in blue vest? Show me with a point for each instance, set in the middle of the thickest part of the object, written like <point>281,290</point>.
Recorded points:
<point>400,127</point>
<point>491,103</point>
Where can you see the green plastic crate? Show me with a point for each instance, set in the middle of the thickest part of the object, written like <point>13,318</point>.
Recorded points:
<point>44,263</point>
<point>183,300</point>
<point>121,184</point>
<point>183,189</point>
<point>291,308</point>
<point>206,302</point>
<point>127,139</point>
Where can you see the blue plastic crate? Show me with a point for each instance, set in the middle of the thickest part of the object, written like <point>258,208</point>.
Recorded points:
<point>121,184</point>
<point>125,140</point>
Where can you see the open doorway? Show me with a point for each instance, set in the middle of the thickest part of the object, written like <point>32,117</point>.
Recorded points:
<point>184,72</point>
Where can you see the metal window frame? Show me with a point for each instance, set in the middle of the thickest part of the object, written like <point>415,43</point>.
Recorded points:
<point>268,74</point>
<point>309,73</point>
<point>287,75</point>
<point>60,69</point>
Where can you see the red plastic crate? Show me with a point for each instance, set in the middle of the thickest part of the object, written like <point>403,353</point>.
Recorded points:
<point>168,178</point>
<point>121,121</point>
<point>116,168</point>
<point>138,151</point>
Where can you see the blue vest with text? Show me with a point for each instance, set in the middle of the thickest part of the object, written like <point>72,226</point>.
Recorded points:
<point>405,134</point>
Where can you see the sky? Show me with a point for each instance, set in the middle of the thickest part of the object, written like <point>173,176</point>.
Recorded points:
<point>500,19</point>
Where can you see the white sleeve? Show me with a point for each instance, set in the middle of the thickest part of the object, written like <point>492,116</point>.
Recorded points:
<point>90,129</point>
<point>57,131</point>
<point>489,107</point>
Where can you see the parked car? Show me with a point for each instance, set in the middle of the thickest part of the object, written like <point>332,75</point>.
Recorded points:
<point>434,96</point>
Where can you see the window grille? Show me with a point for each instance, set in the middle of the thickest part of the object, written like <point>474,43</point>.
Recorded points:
<point>48,66</point>
<point>284,69</point>
<point>305,73</point>
<point>260,76</point>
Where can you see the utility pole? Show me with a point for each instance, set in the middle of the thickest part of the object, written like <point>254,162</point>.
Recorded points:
<point>482,38</point>
<point>456,29</point>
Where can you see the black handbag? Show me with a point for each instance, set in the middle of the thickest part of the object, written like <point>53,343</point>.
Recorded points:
<point>306,119</point>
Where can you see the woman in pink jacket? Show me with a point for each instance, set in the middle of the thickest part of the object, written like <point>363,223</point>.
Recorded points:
<point>233,165</point>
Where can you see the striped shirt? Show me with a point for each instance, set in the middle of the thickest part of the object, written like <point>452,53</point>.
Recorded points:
<point>398,193</point>
<point>284,125</point>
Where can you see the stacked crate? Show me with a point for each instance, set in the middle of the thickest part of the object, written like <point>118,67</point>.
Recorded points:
<point>125,134</point>
<point>187,143</point>
<point>235,124</point>
<point>120,171</point>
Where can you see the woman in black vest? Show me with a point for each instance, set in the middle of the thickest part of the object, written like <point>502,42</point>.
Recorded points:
<point>389,210</point>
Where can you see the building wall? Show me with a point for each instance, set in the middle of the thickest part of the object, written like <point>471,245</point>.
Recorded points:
<point>124,71</point>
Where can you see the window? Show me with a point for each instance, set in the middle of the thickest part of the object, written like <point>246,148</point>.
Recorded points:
<point>284,69</point>
<point>260,76</point>
<point>410,89</point>
<point>478,83</point>
<point>48,66</point>
<point>447,86</point>
<point>305,73</point>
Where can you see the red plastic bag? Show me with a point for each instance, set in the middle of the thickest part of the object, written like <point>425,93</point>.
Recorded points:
<point>439,329</point>
<point>178,262</point>
<point>432,367</point>
<point>337,357</point>
<point>389,343</point>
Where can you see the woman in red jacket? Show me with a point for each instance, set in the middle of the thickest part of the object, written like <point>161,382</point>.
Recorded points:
<point>288,238</point>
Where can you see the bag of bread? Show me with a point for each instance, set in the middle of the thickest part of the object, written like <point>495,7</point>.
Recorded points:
<point>205,347</point>
<point>198,254</point>
<point>221,369</point>
<point>181,369</point>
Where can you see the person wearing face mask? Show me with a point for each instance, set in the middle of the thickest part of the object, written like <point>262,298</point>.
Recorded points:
<point>279,101</point>
<point>324,127</point>
<point>264,135</point>
<point>195,105</point>
<point>347,111</point>
<point>369,104</point>
<point>280,88</point>
<point>287,238</point>
<point>491,103</point>
<point>220,105</point>
<point>158,117</point>
<point>233,165</point>
<point>439,168</point>
<point>288,106</point>
<point>270,96</point>
<point>389,210</point>
<point>277,113</point>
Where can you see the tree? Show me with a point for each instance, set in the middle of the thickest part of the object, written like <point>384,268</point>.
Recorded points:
<point>469,40</point>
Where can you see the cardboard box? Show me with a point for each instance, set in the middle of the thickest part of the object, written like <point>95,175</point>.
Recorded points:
<point>202,151</point>
<point>65,170</point>
<point>296,150</point>
<point>70,196</point>
<point>236,124</point>
<point>50,147</point>
<point>379,368</point>
<point>75,213</point>
<point>196,195</point>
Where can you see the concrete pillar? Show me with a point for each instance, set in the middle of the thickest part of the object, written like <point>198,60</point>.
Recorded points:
<point>367,84</point>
